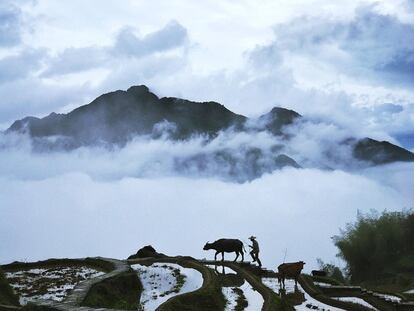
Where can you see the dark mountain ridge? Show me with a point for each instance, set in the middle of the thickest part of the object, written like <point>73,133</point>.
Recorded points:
<point>117,117</point>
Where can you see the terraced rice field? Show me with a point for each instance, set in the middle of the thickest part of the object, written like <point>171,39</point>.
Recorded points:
<point>297,295</point>
<point>163,281</point>
<point>358,301</point>
<point>234,294</point>
<point>48,283</point>
<point>175,282</point>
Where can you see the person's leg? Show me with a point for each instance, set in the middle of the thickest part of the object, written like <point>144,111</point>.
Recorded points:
<point>252,254</point>
<point>258,260</point>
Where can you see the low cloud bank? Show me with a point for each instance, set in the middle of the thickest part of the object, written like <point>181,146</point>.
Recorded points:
<point>144,157</point>
<point>72,215</point>
<point>109,202</point>
<point>231,156</point>
<point>93,202</point>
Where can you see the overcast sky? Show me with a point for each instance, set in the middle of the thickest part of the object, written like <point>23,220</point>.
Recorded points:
<point>347,63</point>
<point>321,58</point>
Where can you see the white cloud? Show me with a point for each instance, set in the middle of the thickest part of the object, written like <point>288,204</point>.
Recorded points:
<point>10,24</point>
<point>324,65</point>
<point>126,44</point>
<point>76,59</point>
<point>35,83</point>
<point>231,156</point>
<point>125,198</point>
<point>73,216</point>
<point>32,96</point>
<point>171,36</point>
<point>250,74</point>
<point>20,66</point>
<point>372,46</point>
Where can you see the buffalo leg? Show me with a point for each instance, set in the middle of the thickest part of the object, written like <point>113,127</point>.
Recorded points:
<point>281,280</point>
<point>222,256</point>
<point>237,256</point>
<point>215,256</point>
<point>242,253</point>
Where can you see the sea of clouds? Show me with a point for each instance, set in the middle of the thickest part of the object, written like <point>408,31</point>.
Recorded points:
<point>110,202</point>
<point>350,69</point>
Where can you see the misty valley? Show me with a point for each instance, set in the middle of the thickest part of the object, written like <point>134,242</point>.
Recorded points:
<point>152,152</point>
<point>206,155</point>
<point>171,136</point>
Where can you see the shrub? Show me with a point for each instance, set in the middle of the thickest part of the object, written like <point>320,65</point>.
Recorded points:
<point>332,271</point>
<point>7,295</point>
<point>378,246</point>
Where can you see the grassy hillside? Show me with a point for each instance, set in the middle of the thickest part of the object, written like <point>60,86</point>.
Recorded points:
<point>7,296</point>
<point>119,292</point>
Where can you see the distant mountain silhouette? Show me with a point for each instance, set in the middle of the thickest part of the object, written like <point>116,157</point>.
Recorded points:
<point>277,118</point>
<point>380,152</point>
<point>117,117</point>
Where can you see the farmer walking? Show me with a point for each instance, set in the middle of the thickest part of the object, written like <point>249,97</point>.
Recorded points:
<point>255,250</point>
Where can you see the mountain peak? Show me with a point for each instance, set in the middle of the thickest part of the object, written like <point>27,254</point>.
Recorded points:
<point>280,111</point>
<point>138,89</point>
<point>380,152</point>
<point>277,118</point>
<point>117,117</point>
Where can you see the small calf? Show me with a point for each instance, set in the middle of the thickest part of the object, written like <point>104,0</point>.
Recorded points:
<point>319,273</point>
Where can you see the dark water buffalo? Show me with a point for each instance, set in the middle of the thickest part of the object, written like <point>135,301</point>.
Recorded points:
<point>226,246</point>
<point>318,273</point>
<point>290,270</point>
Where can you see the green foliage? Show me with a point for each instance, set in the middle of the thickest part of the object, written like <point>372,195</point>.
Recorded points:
<point>119,292</point>
<point>95,263</point>
<point>378,246</point>
<point>33,307</point>
<point>7,296</point>
<point>332,271</point>
<point>205,300</point>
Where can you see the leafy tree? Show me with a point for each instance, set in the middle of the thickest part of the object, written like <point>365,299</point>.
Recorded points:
<point>378,246</point>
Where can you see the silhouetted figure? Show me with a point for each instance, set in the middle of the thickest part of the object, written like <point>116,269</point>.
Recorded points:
<point>255,250</point>
<point>289,270</point>
<point>226,245</point>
